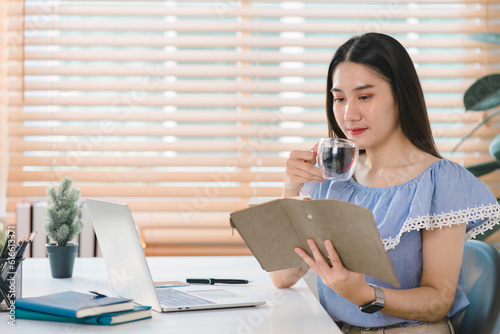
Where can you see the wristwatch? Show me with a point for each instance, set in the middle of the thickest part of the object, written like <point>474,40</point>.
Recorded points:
<point>377,305</point>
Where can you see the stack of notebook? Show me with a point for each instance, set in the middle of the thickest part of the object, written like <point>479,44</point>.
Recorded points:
<point>71,306</point>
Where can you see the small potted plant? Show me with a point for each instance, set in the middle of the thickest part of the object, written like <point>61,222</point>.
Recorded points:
<point>62,224</point>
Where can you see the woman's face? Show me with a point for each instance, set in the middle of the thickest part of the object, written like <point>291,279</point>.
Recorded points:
<point>363,105</point>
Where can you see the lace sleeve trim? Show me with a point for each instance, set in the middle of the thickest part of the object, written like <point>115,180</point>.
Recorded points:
<point>430,222</point>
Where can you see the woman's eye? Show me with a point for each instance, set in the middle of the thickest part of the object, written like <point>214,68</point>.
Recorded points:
<point>366,97</point>
<point>338,99</point>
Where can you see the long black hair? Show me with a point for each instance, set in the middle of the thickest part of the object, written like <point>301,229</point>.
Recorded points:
<point>388,58</point>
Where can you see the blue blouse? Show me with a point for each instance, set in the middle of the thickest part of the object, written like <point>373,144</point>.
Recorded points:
<point>444,194</point>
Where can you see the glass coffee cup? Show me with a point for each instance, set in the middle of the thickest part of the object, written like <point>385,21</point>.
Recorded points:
<point>337,158</point>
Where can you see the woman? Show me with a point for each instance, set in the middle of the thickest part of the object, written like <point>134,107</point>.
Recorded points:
<point>424,206</point>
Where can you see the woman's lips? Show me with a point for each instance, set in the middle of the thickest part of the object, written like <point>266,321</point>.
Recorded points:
<point>356,131</point>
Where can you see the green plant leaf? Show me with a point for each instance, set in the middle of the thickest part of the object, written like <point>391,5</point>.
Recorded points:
<point>61,220</point>
<point>474,129</point>
<point>484,168</point>
<point>488,37</point>
<point>484,94</point>
<point>495,148</point>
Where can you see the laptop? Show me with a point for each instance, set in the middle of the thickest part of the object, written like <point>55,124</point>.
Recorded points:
<point>129,272</point>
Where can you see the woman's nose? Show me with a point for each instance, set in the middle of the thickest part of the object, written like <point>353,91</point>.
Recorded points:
<point>351,112</point>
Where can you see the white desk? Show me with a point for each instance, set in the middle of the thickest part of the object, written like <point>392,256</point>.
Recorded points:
<point>290,311</point>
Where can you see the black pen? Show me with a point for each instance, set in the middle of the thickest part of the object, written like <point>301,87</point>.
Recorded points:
<point>29,239</point>
<point>20,251</point>
<point>97,295</point>
<point>5,250</point>
<point>6,246</point>
<point>212,281</point>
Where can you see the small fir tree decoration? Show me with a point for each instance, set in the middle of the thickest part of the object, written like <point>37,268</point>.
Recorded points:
<point>61,221</point>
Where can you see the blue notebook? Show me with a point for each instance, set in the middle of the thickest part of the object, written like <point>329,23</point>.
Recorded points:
<point>114,318</point>
<point>74,304</point>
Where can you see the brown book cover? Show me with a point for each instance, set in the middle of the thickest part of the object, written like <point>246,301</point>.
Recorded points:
<point>272,231</point>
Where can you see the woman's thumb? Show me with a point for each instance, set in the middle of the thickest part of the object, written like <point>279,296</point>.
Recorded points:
<point>314,149</point>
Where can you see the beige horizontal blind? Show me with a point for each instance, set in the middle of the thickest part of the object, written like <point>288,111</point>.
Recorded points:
<point>4,161</point>
<point>186,110</point>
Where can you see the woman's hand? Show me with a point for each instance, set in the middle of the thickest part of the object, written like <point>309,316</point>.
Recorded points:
<point>300,169</point>
<point>348,284</point>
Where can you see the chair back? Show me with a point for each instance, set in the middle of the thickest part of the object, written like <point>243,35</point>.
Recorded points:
<point>481,283</point>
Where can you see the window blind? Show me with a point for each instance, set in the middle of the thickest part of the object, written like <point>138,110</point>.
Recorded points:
<point>187,110</point>
<point>4,166</point>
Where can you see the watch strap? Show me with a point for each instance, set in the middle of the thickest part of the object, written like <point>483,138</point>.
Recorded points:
<point>379,293</point>
<point>376,305</point>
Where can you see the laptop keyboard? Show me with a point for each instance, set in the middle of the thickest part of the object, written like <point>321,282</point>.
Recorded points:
<point>172,297</point>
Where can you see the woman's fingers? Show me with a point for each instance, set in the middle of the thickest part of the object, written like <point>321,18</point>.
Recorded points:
<point>314,150</point>
<point>300,170</point>
<point>303,155</point>
<point>317,263</point>
<point>333,255</point>
<point>302,176</point>
<point>318,257</point>
<point>307,259</point>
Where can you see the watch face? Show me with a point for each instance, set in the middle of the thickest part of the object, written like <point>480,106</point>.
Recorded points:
<point>371,308</point>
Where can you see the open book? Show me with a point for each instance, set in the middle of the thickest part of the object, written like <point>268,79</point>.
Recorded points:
<point>272,231</point>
